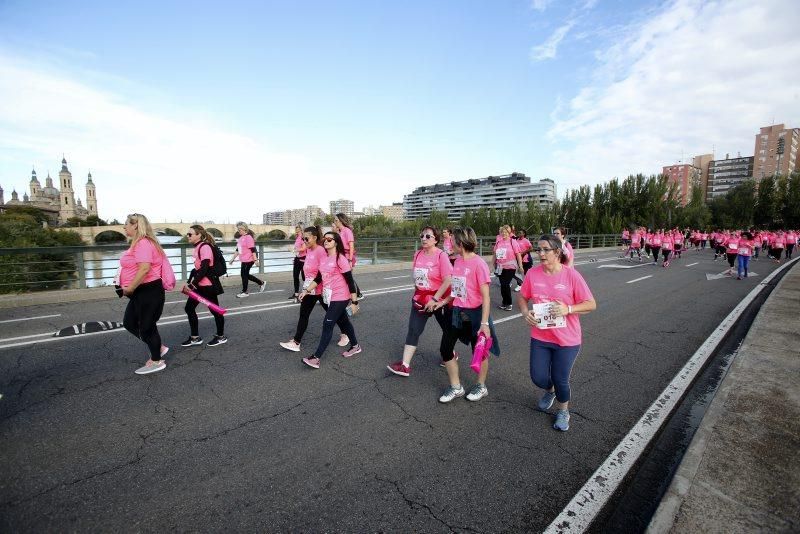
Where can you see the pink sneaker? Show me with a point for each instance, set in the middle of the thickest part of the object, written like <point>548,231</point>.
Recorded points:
<point>455,357</point>
<point>343,340</point>
<point>399,368</point>
<point>312,362</point>
<point>355,349</point>
<point>291,345</point>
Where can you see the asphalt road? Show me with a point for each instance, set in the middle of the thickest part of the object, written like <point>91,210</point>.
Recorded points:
<point>245,437</point>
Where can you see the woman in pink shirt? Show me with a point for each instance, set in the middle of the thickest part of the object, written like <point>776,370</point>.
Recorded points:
<point>666,248</point>
<point>140,279</point>
<point>299,258</point>
<point>744,252</point>
<point>507,257</point>
<point>561,233</point>
<point>246,251</point>
<point>469,295</point>
<point>636,245</point>
<point>338,292</point>
<point>447,244</point>
<point>525,248</point>
<point>558,295</point>
<point>342,225</point>
<point>204,283</point>
<point>731,251</point>
<point>791,241</point>
<point>778,243</point>
<point>431,270</point>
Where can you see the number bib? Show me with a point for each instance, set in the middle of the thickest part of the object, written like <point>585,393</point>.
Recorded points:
<point>500,253</point>
<point>306,284</point>
<point>327,293</point>
<point>546,320</point>
<point>458,287</point>
<point>733,246</point>
<point>744,251</point>
<point>421,278</point>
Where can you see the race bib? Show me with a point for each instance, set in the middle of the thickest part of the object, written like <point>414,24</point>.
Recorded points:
<point>733,246</point>
<point>306,284</point>
<point>500,253</point>
<point>421,278</point>
<point>327,293</point>
<point>744,251</point>
<point>545,320</point>
<point>458,287</point>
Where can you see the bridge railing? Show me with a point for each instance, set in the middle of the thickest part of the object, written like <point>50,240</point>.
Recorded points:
<point>47,268</point>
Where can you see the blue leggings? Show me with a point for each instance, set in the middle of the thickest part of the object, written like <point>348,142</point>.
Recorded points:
<point>743,264</point>
<point>551,365</point>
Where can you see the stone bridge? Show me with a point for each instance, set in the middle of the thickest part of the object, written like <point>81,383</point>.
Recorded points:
<point>90,233</point>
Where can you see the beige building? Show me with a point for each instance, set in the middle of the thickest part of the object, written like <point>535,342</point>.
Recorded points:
<point>684,176</point>
<point>304,216</point>
<point>395,212</point>
<point>775,151</point>
<point>342,206</point>
<point>701,162</point>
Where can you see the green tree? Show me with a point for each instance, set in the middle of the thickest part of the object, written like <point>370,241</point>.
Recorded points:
<point>765,203</point>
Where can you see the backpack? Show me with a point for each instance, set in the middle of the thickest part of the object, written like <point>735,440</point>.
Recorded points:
<point>167,274</point>
<point>220,267</point>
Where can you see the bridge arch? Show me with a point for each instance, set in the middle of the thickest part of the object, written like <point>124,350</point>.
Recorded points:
<point>215,232</point>
<point>109,236</point>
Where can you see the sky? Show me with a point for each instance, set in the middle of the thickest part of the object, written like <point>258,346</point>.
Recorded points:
<point>222,111</point>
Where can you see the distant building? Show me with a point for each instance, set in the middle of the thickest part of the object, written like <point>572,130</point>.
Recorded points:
<point>395,212</point>
<point>725,174</point>
<point>684,176</point>
<point>701,162</point>
<point>497,192</point>
<point>274,217</point>
<point>58,204</point>
<point>775,151</point>
<point>342,206</point>
<point>305,216</point>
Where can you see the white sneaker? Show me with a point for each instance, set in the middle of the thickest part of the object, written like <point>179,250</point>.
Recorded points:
<point>477,392</point>
<point>291,345</point>
<point>343,341</point>
<point>517,289</point>
<point>151,367</point>
<point>242,295</point>
<point>263,287</point>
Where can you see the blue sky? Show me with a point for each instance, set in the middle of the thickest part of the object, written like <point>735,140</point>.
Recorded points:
<point>209,110</point>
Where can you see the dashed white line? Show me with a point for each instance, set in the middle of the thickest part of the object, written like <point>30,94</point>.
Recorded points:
<point>638,279</point>
<point>395,277</point>
<point>30,318</point>
<point>695,263</point>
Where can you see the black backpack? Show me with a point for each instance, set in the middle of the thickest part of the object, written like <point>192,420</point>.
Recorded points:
<point>220,267</point>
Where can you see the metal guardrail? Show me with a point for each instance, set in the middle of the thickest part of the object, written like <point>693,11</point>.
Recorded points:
<point>31,269</point>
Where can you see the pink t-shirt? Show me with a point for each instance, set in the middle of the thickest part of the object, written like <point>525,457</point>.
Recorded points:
<point>636,240</point>
<point>347,237</point>
<point>568,252</point>
<point>334,286</point>
<point>732,245</point>
<point>299,247</point>
<point>311,266</point>
<point>779,241</point>
<point>567,286</point>
<point>244,244</point>
<point>430,270</point>
<point>448,245</point>
<point>656,239</point>
<point>202,251</point>
<point>525,244</point>
<point>506,251</point>
<point>745,247</point>
<point>666,242</point>
<point>144,252</point>
<point>467,278</point>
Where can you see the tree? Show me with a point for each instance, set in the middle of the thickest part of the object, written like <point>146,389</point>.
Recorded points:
<point>765,203</point>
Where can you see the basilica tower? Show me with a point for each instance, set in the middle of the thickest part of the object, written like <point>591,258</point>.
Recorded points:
<point>67,208</point>
<point>91,196</point>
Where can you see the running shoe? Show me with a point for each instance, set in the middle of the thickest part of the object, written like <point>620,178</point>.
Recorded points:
<point>517,289</point>
<point>562,420</point>
<point>217,340</point>
<point>352,351</point>
<point>293,297</point>
<point>312,362</point>
<point>477,392</point>
<point>546,402</point>
<point>399,368</point>
<point>262,288</point>
<point>506,308</point>
<point>164,350</point>
<point>242,295</point>
<point>455,357</point>
<point>192,341</point>
<point>343,340</point>
<point>451,393</point>
<point>151,367</point>
<point>291,345</point>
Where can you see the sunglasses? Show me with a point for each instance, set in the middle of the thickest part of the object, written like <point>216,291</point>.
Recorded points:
<point>540,250</point>
<point>426,236</point>
<point>306,239</point>
<point>329,239</point>
<point>189,234</point>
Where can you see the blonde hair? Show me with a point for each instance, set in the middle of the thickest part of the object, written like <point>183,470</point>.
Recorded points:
<point>243,226</point>
<point>205,237</point>
<point>143,231</point>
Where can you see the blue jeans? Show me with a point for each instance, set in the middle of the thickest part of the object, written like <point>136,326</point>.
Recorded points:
<point>551,365</point>
<point>742,265</point>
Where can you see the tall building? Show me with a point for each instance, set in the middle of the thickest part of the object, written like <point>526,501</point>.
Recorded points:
<point>725,174</point>
<point>274,217</point>
<point>304,216</point>
<point>395,212</point>
<point>470,195</point>
<point>342,206</point>
<point>701,162</point>
<point>684,176</point>
<point>775,151</point>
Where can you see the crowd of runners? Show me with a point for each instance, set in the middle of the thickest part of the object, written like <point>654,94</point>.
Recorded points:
<point>451,284</point>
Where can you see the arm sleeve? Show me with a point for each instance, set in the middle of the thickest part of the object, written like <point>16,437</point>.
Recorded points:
<point>203,271</point>
<point>351,283</point>
<point>318,278</point>
<point>253,250</point>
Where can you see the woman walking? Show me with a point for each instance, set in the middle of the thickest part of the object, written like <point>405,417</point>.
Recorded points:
<point>525,247</point>
<point>508,259</point>
<point>469,294</point>
<point>558,296</point>
<point>204,283</point>
<point>299,259</point>
<point>561,234</point>
<point>743,255</point>
<point>447,244</point>
<point>432,272</point>
<point>246,252</point>
<point>338,292</point>
<point>140,279</point>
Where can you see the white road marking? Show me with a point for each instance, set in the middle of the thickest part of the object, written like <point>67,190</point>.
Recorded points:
<point>395,277</point>
<point>638,279</point>
<point>617,266</point>
<point>695,263</point>
<point>30,318</point>
<point>584,507</point>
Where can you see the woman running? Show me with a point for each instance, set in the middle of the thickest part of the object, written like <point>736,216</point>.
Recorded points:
<point>338,292</point>
<point>469,294</point>
<point>731,244</point>
<point>558,295</point>
<point>507,257</point>
<point>299,258</point>
<point>140,279</point>
<point>561,233</point>
<point>667,246</point>
<point>743,256</point>
<point>432,272</point>
<point>247,254</point>
<point>636,245</point>
<point>202,282</point>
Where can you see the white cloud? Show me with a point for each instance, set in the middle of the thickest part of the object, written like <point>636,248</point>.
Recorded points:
<point>540,5</point>
<point>549,48</point>
<point>696,75</point>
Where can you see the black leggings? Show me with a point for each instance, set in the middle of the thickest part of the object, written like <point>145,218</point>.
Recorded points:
<point>665,254</point>
<point>655,254</point>
<point>335,314</point>
<point>246,276</point>
<point>506,275</point>
<point>143,312</point>
<point>731,259</point>
<point>306,307</point>
<point>789,250</point>
<point>417,322</point>
<point>191,305</point>
<point>452,336</point>
<point>297,273</point>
